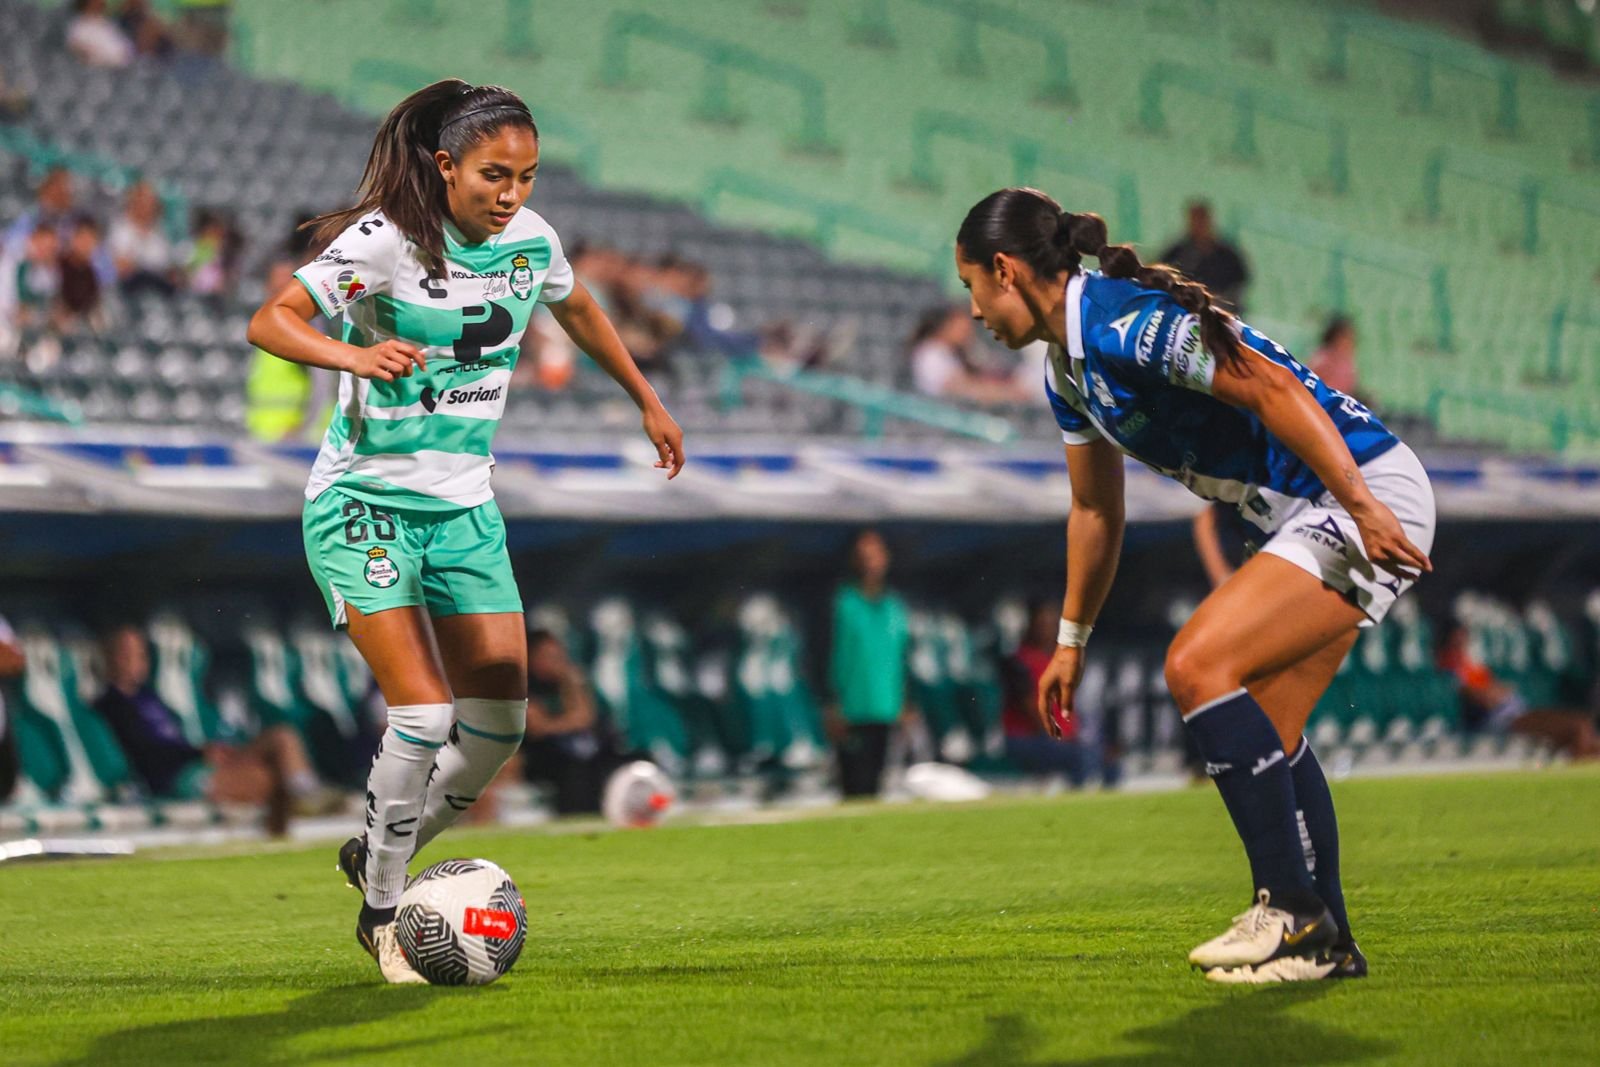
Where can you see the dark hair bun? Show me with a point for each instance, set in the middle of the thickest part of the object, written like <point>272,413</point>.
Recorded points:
<point>1088,232</point>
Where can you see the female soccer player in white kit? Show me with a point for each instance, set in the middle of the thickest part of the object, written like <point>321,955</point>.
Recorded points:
<point>435,272</point>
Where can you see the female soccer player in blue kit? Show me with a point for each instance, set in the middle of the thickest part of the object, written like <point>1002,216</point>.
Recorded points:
<point>1142,362</point>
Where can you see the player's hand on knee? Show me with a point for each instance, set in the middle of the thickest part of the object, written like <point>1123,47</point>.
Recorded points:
<point>1388,546</point>
<point>1058,688</point>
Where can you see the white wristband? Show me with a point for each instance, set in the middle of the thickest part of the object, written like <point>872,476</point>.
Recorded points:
<point>1073,634</point>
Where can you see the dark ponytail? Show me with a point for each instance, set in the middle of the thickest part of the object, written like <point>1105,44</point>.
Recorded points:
<point>1031,226</point>
<point>402,178</point>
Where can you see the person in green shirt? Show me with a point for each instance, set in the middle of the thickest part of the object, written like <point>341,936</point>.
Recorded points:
<point>867,670</point>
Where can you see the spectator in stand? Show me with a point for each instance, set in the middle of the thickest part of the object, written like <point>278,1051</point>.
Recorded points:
<point>213,255</point>
<point>287,401</point>
<point>11,666</point>
<point>1334,361</point>
<point>95,38</point>
<point>943,362</point>
<point>1222,540</point>
<point>79,300</point>
<point>1205,257</point>
<point>1076,757</point>
<point>149,34</point>
<point>272,770</point>
<point>55,208</point>
<point>1492,705</point>
<point>30,281</point>
<point>146,260</point>
<point>568,746</point>
<point>867,668</point>
<point>705,325</point>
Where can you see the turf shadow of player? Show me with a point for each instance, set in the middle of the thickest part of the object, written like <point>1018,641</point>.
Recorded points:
<point>266,1037</point>
<point>1247,1029</point>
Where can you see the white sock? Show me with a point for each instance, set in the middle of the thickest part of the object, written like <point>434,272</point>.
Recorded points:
<point>396,790</point>
<point>485,735</point>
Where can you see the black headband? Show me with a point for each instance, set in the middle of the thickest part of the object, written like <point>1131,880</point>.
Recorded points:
<point>503,106</point>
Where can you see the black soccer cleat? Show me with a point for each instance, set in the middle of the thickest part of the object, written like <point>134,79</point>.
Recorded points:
<point>1338,962</point>
<point>353,862</point>
<point>1348,962</point>
<point>368,924</point>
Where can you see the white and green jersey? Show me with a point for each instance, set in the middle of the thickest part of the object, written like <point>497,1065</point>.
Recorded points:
<point>423,442</point>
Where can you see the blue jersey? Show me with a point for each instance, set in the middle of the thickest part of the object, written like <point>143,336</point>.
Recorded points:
<point>1135,373</point>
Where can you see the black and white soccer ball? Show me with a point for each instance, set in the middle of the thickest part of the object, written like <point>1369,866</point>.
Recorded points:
<point>461,922</point>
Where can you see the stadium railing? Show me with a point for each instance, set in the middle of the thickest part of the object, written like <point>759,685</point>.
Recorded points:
<point>1028,156</point>
<point>1248,104</point>
<point>1427,52</point>
<point>722,60</point>
<point>879,402</point>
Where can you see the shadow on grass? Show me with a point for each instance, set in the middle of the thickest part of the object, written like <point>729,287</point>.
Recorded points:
<point>264,1036</point>
<point>1248,1027</point>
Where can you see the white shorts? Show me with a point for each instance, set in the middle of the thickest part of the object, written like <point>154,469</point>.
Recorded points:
<point>1321,538</point>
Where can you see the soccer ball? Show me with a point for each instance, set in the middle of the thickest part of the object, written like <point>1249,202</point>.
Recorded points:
<point>638,794</point>
<point>461,922</point>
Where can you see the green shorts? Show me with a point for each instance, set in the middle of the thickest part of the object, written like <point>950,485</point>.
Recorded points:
<point>451,562</point>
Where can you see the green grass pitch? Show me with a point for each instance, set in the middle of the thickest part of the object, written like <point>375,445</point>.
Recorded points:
<point>1027,932</point>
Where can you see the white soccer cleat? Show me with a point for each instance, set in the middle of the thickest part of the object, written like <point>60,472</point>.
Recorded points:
<point>1282,969</point>
<point>397,970</point>
<point>1265,933</point>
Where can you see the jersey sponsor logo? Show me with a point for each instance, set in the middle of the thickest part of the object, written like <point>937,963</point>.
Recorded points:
<point>490,922</point>
<point>521,276</point>
<point>1145,346</point>
<point>380,570</point>
<point>460,395</point>
<point>1325,533</point>
<point>1130,426</point>
<point>1123,325</point>
<point>335,256</point>
<point>1188,362</point>
<point>350,286</point>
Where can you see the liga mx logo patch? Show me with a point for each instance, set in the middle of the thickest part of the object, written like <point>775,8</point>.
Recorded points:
<point>381,571</point>
<point>521,276</point>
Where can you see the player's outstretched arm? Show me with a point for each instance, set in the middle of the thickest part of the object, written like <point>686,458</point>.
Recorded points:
<point>1288,411</point>
<point>581,316</point>
<point>282,326</point>
<point>1094,546</point>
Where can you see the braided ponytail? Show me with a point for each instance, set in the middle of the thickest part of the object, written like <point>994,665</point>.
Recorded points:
<point>1031,226</point>
<point>1217,326</point>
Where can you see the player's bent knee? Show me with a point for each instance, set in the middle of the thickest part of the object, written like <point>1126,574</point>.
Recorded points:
<point>1195,676</point>
<point>424,724</point>
<point>493,720</point>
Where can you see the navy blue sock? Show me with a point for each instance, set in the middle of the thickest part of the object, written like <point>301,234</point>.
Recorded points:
<point>1319,829</point>
<point>1245,758</point>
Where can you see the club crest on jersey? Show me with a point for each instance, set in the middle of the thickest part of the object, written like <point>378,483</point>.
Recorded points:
<point>380,571</point>
<point>521,276</point>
